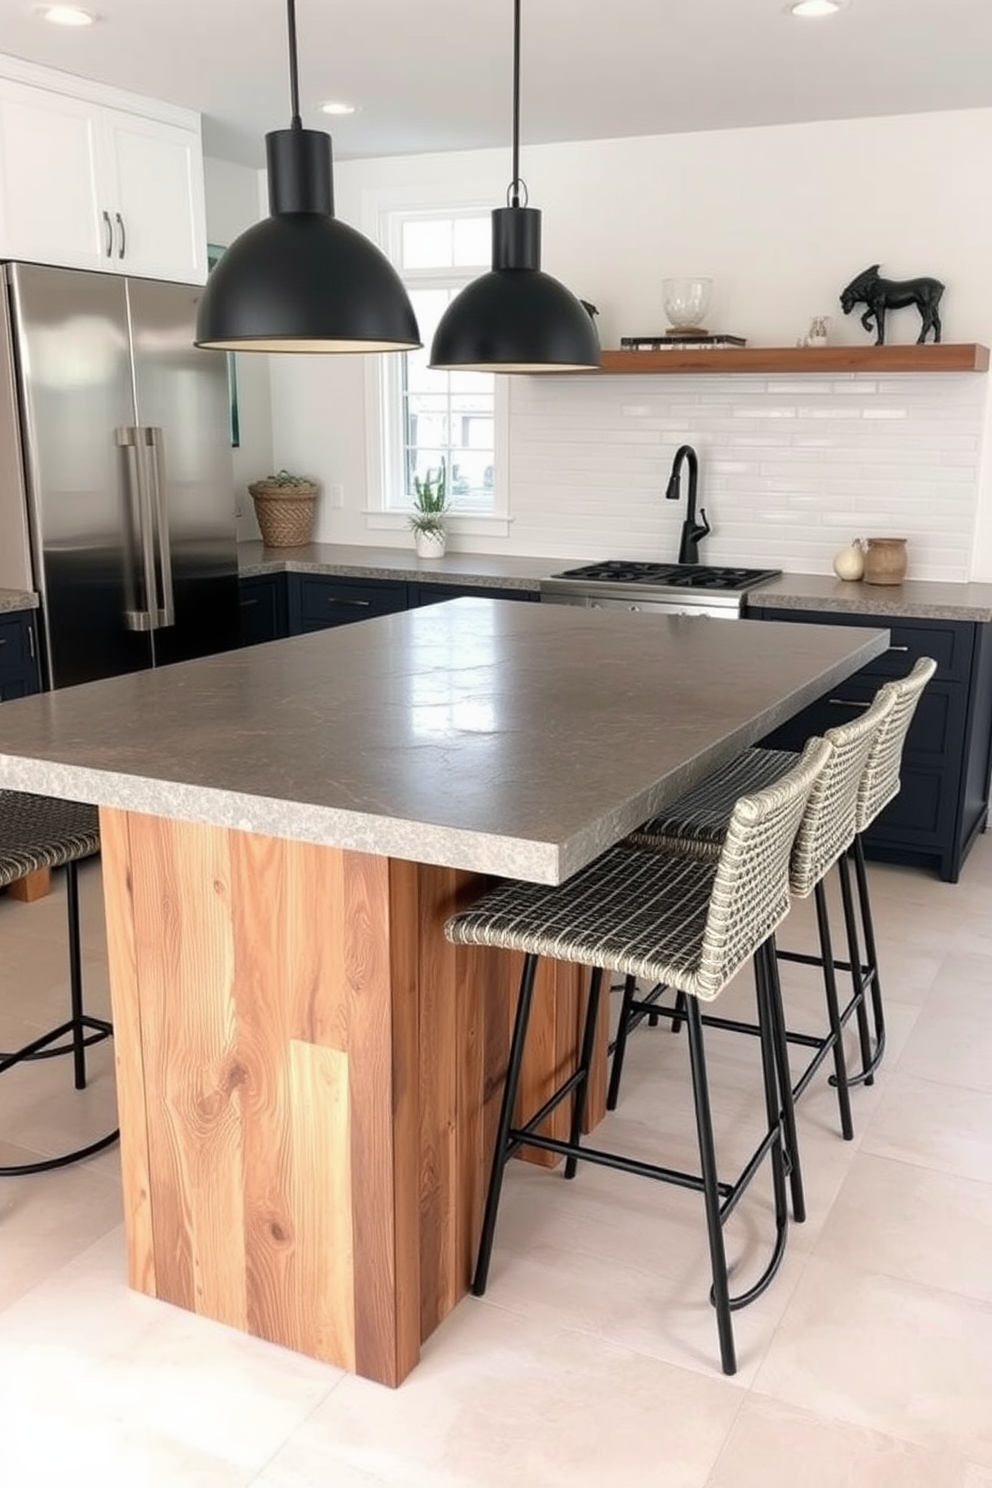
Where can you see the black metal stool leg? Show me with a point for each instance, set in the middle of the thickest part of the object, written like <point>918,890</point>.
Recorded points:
<point>620,1047</point>
<point>833,1013</point>
<point>711,1190</point>
<point>585,1061</point>
<point>858,969</point>
<point>502,1148</point>
<point>769,958</point>
<point>75,976</point>
<point>871,953</point>
<point>774,1096</point>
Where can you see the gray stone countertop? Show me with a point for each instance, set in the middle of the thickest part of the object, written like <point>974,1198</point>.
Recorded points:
<point>513,739</point>
<point>914,599</point>
<point>484,570</point>
<point>17,599</point>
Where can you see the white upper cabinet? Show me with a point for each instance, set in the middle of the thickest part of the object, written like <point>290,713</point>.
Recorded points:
<point>155,172</point>
<point>87,185</point>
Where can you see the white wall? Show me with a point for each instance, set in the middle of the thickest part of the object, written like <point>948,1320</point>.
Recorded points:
<point>781,218</point>
<point>234,203</point>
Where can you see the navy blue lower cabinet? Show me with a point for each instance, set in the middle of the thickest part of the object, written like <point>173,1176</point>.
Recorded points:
<point>944,800</point>
<point>264,615</point>
<point>318,601</point>
<point>425,594</point>
<point>20,675</point>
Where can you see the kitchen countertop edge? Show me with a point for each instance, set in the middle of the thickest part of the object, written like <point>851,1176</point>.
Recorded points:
<point>12,600</point>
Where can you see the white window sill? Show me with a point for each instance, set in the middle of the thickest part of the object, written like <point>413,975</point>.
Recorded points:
<point>466,525</point>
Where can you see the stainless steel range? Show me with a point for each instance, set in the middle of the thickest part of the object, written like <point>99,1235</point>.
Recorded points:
<point>663,588</point>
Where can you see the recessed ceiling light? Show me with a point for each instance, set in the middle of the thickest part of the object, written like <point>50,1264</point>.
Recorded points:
<point>65,15</point>
<point>816,7</point>
<point>333,107</point>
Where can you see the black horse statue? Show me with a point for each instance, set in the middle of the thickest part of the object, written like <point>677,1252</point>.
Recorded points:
<point>879,294</point>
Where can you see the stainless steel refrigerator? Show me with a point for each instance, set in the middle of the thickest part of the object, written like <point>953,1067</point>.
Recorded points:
<point>115,454</point>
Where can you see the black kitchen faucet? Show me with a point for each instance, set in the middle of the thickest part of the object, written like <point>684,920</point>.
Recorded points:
<point>692,531</point>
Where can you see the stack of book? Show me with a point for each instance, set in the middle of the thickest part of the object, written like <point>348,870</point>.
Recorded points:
<point>679,341</point>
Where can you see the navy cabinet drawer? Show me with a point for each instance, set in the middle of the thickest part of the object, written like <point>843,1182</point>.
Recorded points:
<point>426,594</point>
<point>324,602</point>
<point>949,642</point>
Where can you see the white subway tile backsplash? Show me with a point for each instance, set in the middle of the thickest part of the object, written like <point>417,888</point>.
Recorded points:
<point>789,468</point>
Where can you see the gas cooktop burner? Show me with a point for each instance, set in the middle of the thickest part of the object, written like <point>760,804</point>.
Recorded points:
<point>669,575</point>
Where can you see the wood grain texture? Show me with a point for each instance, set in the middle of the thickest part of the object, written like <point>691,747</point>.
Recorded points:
<point>942,357</point>
<point>32,886</point>
<point>309,1083</point>
<point>125,998</point>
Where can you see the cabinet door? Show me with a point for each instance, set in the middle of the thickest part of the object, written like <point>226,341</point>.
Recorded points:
<point>263,608</point>
<point>51,209</point>
<point>19,673</point>
<point>154,175</point>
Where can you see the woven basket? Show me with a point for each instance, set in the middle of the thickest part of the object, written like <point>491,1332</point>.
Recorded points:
<point>285,513</point>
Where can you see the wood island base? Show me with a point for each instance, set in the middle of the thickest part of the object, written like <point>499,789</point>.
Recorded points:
<point>308,1080</point>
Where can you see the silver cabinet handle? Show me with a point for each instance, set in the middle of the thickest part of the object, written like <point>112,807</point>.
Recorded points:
<point>846,703</point>
<point>120,223</point>
<point>30,630</point>
<point>246,602</point>
<point>137,495</point>
<point>152,438</point>
<point>3,640</point>
<point>110,234</point>
<point>898,648</point>
<point>361,604</point>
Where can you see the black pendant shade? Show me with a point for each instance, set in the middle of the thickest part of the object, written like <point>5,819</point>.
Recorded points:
<point>516,318</point>
<point>301,280</point>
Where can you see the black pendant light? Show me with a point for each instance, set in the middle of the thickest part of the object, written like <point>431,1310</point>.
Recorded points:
<point>301,280</point>
<point>516,318</point>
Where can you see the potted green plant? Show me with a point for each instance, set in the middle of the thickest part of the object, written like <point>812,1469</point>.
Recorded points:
<point>285,505</point>
<point>430,506</point>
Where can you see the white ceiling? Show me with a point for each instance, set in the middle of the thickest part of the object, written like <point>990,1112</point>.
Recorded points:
<point>435,74</point>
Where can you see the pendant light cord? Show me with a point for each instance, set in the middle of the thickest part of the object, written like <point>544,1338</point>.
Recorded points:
<point>294,76</point>
<point>515,183</point>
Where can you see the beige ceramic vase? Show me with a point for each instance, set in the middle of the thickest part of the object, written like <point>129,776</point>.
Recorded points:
<point>885,560</point>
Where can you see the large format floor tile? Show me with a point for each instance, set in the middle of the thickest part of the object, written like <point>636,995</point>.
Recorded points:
<point>592,1359</point>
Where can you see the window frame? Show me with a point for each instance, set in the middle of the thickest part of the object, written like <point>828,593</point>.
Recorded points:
<point>383,214</point>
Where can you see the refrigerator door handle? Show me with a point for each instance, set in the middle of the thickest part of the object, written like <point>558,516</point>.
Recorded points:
<point>137,490</point>
<point>154,439</point>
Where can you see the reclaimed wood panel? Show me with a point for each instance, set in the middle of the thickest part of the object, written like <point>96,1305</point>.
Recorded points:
<point>310,1078</point>
<point>125,999</point>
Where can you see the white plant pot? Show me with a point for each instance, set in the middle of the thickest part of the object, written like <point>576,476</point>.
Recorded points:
<point>429,544</point>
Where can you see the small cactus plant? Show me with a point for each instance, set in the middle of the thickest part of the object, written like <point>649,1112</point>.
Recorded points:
<point>430,501</point>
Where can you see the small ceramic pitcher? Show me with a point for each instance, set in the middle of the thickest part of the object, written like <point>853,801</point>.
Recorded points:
<point>885,560</point>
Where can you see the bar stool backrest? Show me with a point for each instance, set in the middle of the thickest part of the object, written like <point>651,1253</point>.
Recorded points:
<point>750,894</point>
<point>828,825</point>
<point>880,779</point>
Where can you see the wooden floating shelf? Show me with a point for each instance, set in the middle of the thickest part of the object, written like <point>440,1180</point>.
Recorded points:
<point>966,357</point>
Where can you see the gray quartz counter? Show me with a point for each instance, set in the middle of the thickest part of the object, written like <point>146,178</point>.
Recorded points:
<point>17,599</point>
<point>917,599</point>
<point>515,739</point>
<point>482,570</point>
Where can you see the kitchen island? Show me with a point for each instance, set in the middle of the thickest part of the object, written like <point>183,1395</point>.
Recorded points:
<point>307,1071</point>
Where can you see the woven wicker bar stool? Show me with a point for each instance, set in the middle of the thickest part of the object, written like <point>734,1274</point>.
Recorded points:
<point>696,822</point>
<point>690,922</point>
<point>40,832</point>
